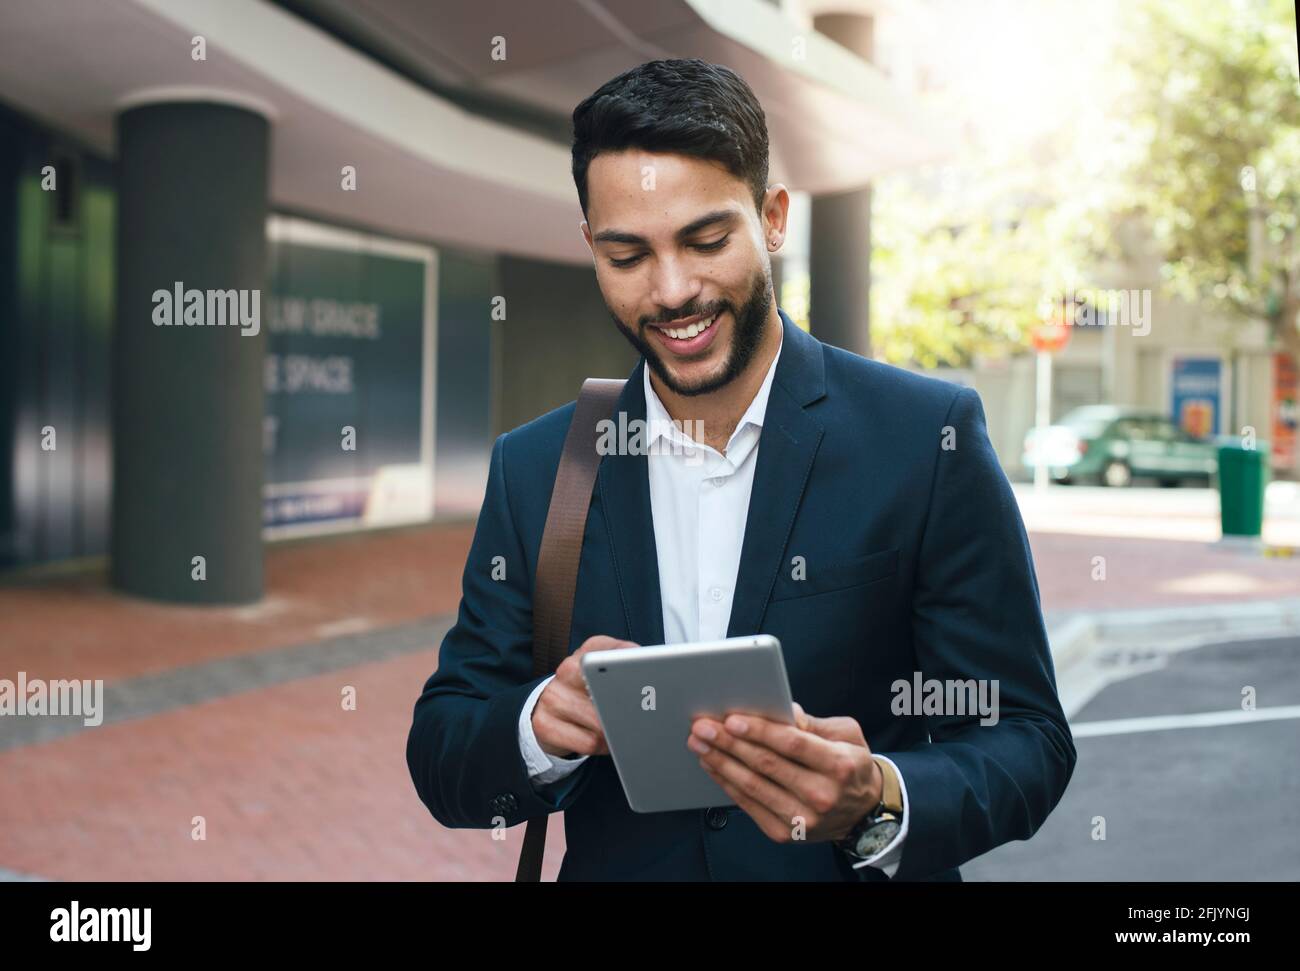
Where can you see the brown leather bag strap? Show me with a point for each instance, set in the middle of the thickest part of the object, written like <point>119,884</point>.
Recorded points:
<point>557,561</point>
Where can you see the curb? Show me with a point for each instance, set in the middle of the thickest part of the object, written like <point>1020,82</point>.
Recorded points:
<point>1074,638</point>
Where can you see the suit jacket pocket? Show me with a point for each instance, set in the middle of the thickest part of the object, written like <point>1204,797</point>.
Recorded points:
<point>821,576</point>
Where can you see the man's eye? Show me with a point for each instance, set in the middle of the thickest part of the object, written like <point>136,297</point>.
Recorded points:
<point>711,247</point>
<point>702,247</point>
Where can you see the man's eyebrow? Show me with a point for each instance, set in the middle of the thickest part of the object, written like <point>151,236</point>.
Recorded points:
<point>690,229</point>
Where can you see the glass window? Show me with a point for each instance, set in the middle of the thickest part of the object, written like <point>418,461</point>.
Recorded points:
<point>1162,430</point>
<point>1130,428</point>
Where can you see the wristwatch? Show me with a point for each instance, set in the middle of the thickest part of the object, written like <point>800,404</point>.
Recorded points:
<point>878,828</point>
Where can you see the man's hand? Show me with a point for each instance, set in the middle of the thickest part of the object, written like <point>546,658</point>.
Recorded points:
<point>564,720</point>
<point>819,769</point>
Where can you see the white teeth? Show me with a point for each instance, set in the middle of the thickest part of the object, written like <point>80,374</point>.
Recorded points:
<point>692,330</point>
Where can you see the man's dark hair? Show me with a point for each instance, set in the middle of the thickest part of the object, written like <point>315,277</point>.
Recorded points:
<point>683,106</point>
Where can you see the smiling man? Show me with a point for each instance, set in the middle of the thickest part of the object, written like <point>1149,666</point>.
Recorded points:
<point>854,510</point>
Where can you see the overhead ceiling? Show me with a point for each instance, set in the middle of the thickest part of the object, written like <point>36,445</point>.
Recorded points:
<point>834,121</point>
<point>449,144</point>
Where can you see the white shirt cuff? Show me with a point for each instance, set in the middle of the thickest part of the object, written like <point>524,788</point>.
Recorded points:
<point>543,768</point>
<point>889,858</point>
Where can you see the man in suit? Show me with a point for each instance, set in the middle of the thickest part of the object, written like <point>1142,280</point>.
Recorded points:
<point>854,510</point>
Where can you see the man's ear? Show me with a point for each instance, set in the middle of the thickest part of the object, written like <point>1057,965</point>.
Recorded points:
<point>776,210</point>
<point>586,235</point>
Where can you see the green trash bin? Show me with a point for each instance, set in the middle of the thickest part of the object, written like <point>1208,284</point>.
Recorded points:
<point>1243,477</point>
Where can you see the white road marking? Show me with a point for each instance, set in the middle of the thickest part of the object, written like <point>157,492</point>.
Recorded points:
<point>1205,719</point>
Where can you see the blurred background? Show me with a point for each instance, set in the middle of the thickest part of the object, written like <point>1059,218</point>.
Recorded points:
<point>254,539</point>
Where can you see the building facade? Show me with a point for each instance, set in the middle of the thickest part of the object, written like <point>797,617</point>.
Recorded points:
<point>269,268</point>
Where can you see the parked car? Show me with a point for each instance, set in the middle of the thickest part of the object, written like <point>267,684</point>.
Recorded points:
<point>1111,445</point>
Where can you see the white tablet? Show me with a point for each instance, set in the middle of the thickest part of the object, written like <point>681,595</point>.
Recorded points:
<point>648,697</point>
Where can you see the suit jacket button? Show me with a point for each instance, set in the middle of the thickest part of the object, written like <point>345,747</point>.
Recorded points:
<point>504,804</point>
<point>716,817</point>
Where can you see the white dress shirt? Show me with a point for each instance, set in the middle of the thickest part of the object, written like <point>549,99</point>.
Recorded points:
<point>699,502</point>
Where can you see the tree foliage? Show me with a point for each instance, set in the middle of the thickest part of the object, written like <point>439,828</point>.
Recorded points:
<point>1191,126</point>
<point>1216,105</point>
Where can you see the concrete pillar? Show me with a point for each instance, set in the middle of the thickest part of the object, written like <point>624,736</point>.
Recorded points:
<point>840,235</point>
<point>187,397</point>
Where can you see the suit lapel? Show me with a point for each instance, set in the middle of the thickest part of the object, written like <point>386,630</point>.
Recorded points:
<point>624,482</point>
<point>787,446</point>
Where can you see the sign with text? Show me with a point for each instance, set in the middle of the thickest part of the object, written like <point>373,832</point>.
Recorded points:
<point>1197,392</point>
<point>348,421</point>
<point>1286,410</point>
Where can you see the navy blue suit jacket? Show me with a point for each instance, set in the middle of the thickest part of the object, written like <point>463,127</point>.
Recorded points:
<point>916,560</point>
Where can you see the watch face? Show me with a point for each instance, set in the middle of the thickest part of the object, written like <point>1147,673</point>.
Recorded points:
<point>877,838</point>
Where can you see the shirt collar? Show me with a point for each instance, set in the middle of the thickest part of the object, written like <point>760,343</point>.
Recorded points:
<point>660,424</point>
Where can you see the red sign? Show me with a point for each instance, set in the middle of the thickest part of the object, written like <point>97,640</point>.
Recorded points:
<point>1286,411</point>
<point>1049,336</point>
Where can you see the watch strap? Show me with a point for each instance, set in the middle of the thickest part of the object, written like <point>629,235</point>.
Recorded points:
<point>892,793</point>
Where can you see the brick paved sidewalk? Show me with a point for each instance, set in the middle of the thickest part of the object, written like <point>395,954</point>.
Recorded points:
<point>1152,573</point>
<point>75,626</point>
<point>234,714</point>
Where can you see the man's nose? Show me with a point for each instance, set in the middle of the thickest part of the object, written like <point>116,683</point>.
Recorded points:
<point>674,285</point>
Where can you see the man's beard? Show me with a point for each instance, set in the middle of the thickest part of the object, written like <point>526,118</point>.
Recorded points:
<point>750,321</point>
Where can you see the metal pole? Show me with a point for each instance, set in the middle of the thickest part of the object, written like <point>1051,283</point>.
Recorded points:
<point>1042,414</point>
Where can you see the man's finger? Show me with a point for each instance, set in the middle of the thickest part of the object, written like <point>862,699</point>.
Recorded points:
<point>800,716</point>
<point>806,748</point>
<point>807,786</point>
<point>602,642</point>
<point>589,729</point>
<point>836,729</point>
<point>769,819</point>
<point>570,704</point>
<point>565,735</point>
<point>570,672</point>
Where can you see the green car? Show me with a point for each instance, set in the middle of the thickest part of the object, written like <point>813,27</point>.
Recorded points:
<point>1112,445</point>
